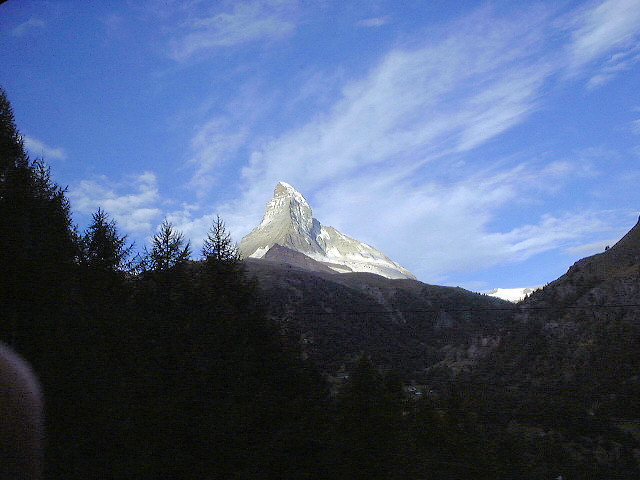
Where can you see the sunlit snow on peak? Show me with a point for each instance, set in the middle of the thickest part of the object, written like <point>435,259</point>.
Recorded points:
<point>288,221</point>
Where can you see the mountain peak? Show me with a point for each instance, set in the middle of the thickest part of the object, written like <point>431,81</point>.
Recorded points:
<point>283,188</point>
<point>287,206</point>
<point>288,221</point>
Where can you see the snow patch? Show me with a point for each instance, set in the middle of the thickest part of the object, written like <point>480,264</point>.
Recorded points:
<point>260,252</point>
<point>512,294</point>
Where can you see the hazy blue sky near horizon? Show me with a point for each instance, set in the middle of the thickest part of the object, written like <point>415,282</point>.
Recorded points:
<point>480,144</point>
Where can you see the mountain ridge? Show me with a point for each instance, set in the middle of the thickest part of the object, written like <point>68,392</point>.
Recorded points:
<point>580,333</point>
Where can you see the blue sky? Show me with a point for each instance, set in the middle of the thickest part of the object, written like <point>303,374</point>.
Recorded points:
<point>478,144</point>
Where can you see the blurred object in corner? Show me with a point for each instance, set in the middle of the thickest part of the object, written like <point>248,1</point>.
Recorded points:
<point>21,419</point>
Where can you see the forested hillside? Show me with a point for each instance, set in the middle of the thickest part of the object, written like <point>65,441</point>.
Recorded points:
<point>570,366</point>
<point>167,363</point>
<point>407,326</point>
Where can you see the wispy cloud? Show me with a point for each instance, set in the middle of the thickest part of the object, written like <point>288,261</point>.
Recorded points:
<point>213,144</point>
<point>27,27</point>
<point>222,139</point>
<point>414,107</point>
<point>40,149</point>
<point>382,158</point>
<point>133,203</point>
<point>610,24</point>
<point>441,220</point>
<point>373,22</point>
<point>615,65</point>
<point>610,28</point>
<point>592,247</point>
<point>247,22</point>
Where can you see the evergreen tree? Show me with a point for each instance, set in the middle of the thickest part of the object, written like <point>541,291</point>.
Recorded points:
<point>38,302</point>
<point>12,153</point>
<point>223,269</point>
<point>168,248</point>
<point>218,245</point>
<point>37,241</point>
<point>102,247</point>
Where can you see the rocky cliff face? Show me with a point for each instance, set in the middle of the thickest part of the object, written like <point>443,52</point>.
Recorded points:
<point>288,221</point>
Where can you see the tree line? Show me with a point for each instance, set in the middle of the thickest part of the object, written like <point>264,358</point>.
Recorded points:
<point>153,366</point>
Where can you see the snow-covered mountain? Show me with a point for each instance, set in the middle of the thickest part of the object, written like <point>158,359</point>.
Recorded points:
<point>288,221</point>
<point>512,294</point>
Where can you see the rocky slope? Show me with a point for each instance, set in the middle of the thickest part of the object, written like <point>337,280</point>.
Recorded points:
<point>288,221</point>
<point>579,336</point>
<point>568,368</point>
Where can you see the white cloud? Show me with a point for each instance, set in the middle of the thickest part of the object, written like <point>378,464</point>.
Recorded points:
<point>551,232</point>
<point>613,66</point>
<point>30,25</point>
<point>415,106</point>
<point>610,28</point>
<point>437,229</point>
<point>592,247</point>
<point>608,25</point>
<point>373,22</point>
<point>247,22</point>
<point>213,144</point>
<point>194,229</point>
<point>195,225</point>
<point>132,203</point>
<point>40,149</point>
<point>381,159</point>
